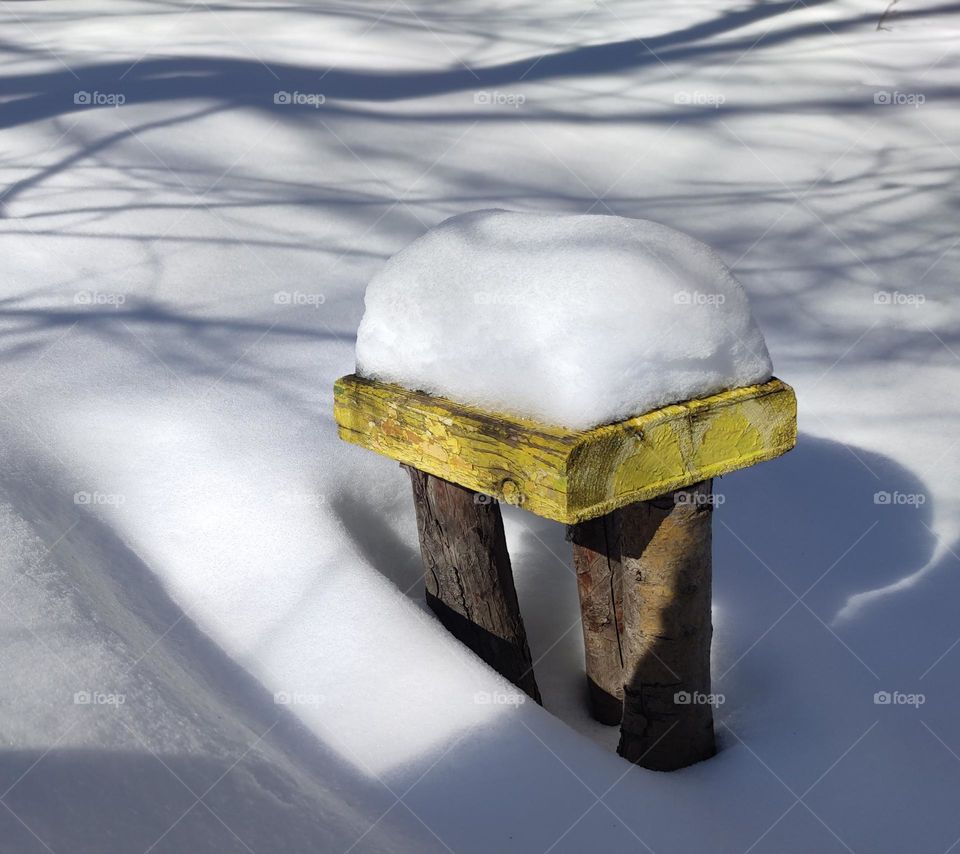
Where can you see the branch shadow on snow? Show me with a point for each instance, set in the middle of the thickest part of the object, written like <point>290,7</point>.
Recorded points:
<point>252,83</point>
<point>798,515</point>
<point>203,352</point>
<point>353,95</point>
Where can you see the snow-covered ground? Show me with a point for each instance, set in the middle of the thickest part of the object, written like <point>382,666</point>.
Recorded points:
<point>211,610</point>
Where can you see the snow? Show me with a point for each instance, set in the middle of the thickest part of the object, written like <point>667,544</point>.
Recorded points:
<point>233,549</point>
<point>575,320</point>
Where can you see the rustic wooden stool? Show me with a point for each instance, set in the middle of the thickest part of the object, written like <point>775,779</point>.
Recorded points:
<point>637,496</point>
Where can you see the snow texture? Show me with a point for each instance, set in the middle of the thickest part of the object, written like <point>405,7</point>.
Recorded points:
<point>575,320</point>
<point>180,526</point>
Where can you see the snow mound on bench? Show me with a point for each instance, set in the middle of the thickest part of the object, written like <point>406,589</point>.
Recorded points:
<point>567,319</point>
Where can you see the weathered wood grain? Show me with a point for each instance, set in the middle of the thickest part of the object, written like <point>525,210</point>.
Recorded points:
<point>665,557</point>
<point>569,475</point>
<point>596,560</point>
<point>469,581</point>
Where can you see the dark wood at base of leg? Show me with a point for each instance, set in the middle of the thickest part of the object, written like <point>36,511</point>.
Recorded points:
<point>665,559</point>
<point>596,559</point>
<point>468,575</point>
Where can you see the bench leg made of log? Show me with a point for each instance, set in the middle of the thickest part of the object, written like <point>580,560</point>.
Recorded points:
<point>468,577</point>
<point>596,560</point>
<point>644,579</point>
<point>665,561</point>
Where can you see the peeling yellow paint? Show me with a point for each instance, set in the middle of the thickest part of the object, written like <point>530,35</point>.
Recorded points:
<point>569,475</point>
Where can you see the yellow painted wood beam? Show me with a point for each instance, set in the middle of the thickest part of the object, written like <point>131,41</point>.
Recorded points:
<point>561,474</point>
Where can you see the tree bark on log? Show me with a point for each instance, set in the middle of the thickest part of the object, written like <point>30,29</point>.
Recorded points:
<point>665,558</point>
<point>468,577</point>
<point>596,559</point>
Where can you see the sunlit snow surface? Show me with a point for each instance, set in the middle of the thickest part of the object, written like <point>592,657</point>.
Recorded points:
<point>183,280</point>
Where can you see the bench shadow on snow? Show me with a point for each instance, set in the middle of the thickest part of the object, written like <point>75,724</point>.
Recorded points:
<point>813,521</point>
<point>797,697</point>
<point>810,521</point>
<point>801,515</point>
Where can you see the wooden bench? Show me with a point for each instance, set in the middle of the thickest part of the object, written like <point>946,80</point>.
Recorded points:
<point>637,496</point>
